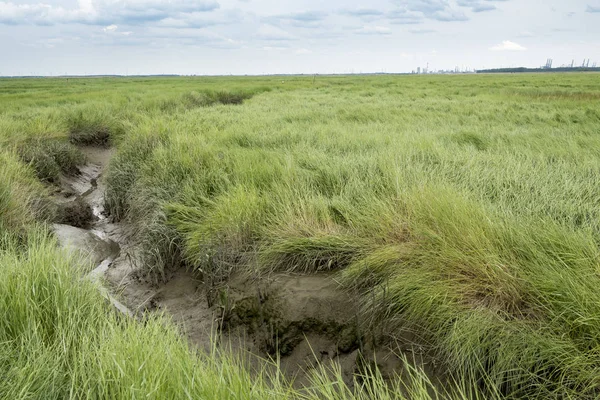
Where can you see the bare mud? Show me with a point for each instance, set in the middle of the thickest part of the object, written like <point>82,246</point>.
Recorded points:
<point>299,320</point>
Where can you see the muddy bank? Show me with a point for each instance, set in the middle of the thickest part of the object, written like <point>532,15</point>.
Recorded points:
<point>302,320</point>
<point>85,228</point>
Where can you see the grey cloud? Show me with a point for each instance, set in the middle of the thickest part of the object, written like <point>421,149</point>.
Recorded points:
<point>477,5</point>
<point>483,7</point>
<point>307,16</point>
<point>160,37</point>
<point>592,9</point>
<point>362,12</point>
<point>141,11</point>
<point>440,10</point>
<point>421,31</point>
<point>373,30</point>
<point>307,19</point>
<point>427,7</point>
<point>450,16</point>
<point>200,20</point>
<point>100,12</point>
<point>443,10</point>
<point>403,17</point>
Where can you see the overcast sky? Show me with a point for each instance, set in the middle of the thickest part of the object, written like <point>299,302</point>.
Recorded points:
<point>52,37</point>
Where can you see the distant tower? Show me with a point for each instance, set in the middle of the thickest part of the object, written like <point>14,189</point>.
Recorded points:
<point>572,63</point>
<point>419,70</point>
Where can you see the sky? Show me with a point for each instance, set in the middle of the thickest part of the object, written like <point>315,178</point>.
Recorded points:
<point>222,37</point>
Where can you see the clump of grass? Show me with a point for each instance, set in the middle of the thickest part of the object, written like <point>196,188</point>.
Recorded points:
<point>43,164</point>
<point>23,201</point>
<point>478,141</point>
<point>140,201</point>
<point>125,169</point>
<point>311,252</point>
<point>160,243</point>
<point>204,99</point>
<point>213,242</point>
<point>226,97</point>
<point>94,125</point>
<point>75,213</point>
<point>51,158</point>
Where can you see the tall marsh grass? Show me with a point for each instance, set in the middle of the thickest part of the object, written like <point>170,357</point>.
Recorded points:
<point>464,217</point>
<point>59,340</point>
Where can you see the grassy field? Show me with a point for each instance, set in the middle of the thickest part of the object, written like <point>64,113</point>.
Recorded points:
<point>463,210</point>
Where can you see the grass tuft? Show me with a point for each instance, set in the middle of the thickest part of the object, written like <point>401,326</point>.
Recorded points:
<point>51,158</point>
<point>94,126</point>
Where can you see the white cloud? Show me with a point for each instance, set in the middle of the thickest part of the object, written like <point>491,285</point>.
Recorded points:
<point>507,45</point>
<point>270,32</point>
<point>303,51</point>
<point>100,12</point>
<point>373,30</point>
<point>39,13</point>
<point>110,28</point>
<point>86,5</point>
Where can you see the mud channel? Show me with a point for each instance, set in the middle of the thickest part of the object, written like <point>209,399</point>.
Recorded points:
<point>302,320</point>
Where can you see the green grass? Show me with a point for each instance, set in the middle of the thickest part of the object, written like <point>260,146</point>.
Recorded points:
<point>58,340</point>
<point>51,158</point>
<point>464,211</point>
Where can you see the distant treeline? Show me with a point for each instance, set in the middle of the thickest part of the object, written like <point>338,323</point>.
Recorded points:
<point>523,69</point>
